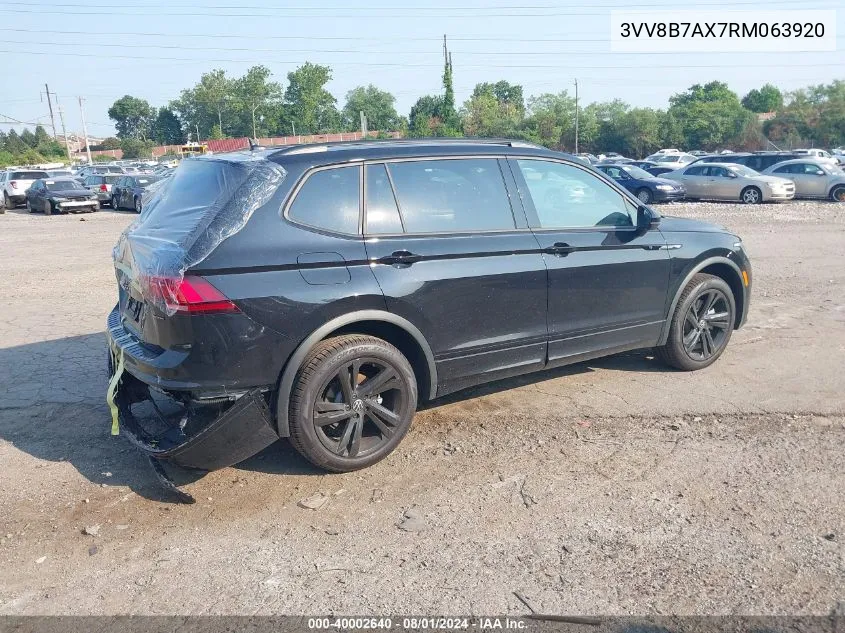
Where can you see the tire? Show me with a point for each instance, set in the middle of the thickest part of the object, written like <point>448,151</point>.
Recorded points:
<point>751,195</point>
<point>837,194</point>
<point>645,196</point>
<point>690,331</point>
<point>114,204</point>
<point>29,208</point>
<point>48,208</point>
<point>7,201</point>
<point>368,426</point>
<point>138,206</point>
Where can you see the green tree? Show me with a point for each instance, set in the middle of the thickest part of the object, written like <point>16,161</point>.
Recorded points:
<point>136,148</point>
<point>640,131</point>
<point>550,117</point>
<point>494,109</point>
<point>167,130</point>
<point>41,134</point>
<point>424,119</point>
<point>377,105</point>
<point>766,99</point>
<point>29,138</point>
<point>110,143</point>
<point>257,100</point>
<point>710,116</point>
<point>206,103</point>
<point>14,144</point>
<point>132,117</point>
<point>448,113</point>
<point>216,133</point>
<point>307,102</point>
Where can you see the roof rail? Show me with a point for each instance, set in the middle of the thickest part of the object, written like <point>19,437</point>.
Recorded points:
<point>466,140</point>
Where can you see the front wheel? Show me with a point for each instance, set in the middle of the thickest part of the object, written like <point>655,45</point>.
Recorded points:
<point>701,325</point>
<point>48,208</point>
<point>838,193</point>
<point>645,196</point>
<point>137,205</point>
<point>114,204</point>
<point>751,195</point>
<point>352,402</point>
<point>29,206</point>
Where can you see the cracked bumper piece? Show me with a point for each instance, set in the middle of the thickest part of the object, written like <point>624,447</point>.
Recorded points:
<point>193,434</point>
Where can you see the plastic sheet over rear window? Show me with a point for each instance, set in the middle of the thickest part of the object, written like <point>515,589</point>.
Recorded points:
<point>205,201</point>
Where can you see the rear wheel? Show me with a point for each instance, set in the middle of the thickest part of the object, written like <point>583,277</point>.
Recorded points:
<point>137,205</point>
<point>751,195</point>
<point>114,204</point>
<point>701,326</point>
<point>7,201</point>
<point>48,208</point>
<point>352,402</point>
<point>838,193</point>
<point>644,195</point>
<point>29,206</point>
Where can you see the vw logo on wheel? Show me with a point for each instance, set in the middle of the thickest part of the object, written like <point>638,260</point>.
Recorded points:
<point>358,406</point>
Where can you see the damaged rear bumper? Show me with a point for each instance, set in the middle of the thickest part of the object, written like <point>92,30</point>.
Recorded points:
<point>204,435</point>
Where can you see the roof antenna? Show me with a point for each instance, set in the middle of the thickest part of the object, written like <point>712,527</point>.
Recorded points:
<point>252,144</point>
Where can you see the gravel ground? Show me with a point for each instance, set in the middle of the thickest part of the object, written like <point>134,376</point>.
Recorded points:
<point>609,487</point>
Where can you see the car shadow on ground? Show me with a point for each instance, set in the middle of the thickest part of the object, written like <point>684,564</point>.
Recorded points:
<point>54,409</point>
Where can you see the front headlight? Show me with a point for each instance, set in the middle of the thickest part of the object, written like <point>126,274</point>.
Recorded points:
<point>665,187</point>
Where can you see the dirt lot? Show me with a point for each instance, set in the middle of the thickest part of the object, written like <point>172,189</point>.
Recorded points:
<point>612,487</point>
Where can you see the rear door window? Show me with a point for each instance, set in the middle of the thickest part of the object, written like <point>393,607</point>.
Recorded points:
<point>454,195</point>
<point>329,199</point>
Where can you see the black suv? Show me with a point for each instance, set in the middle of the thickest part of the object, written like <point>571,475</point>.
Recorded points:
<point>322,292</point>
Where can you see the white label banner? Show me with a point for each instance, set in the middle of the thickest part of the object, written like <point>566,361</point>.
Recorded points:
<point>722,31</point>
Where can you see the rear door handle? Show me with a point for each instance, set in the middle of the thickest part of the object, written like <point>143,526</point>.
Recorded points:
<point>400,259</point>
<point>559,249</point>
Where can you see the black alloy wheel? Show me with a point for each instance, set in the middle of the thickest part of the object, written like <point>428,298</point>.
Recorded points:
<point>352,403</point>
<point>706,325</point>
<point>358,409</point>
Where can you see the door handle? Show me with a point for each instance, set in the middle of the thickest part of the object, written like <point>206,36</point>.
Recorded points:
<point>401,259</point>
<point>559,249</point>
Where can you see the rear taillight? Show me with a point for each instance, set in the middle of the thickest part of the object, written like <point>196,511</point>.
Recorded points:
<point>103,188</point>
<point>190,294</point>
<point>14,184</point>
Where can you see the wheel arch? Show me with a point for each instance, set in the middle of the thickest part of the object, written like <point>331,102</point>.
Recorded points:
<point>396,330</point>
<point>833,188</point>
<point>723,268</point>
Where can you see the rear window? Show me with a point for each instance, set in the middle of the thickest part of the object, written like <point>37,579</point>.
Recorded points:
<point>28,175</point>
<point>329,200</point>
<point>62,185</point>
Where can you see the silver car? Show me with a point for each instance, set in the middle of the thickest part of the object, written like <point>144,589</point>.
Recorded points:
<point>812,178</point>
<point>729,181</point>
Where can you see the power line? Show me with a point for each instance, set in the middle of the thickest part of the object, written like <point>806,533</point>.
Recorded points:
<point>383,52</point>
<point>413,65</point>
<point>435,9</point>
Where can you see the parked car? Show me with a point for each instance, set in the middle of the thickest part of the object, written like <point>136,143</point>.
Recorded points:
<point>643,185</point>
<point>758,161</point>
<point>15,182</point>
<point>101,184</point>
<point>591,158</point>
<point>264,295</point>
<point>668,150</point>
<point>813,179</point>
<point>675,161</point>
<point>60,195</point>
<point>128,191</point>
<point>817,154</point>
<point>60,173</point>
<point>92,170</point>
<point>728,181</point>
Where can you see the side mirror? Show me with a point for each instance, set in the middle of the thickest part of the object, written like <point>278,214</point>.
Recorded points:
<point>820,172</point>
<point>647,219</point>
<point>732,175</point>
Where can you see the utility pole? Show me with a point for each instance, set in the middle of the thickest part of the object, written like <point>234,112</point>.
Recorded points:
<point>198,133</point>
<point>50,105</point>
<point>85,131</point>
<point>363,124</point>
<point>576,116</point>
<point>64,132</point>
<point>293,127</point>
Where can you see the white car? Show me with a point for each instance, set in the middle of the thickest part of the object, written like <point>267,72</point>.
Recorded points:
<point>15,182</point>
<point>729,181</point>
<point>818,155</point>
<point>672,160</point>
<point>812,178</point>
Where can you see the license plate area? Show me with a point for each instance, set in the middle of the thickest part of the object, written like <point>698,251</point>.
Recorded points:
<point>134,309</point>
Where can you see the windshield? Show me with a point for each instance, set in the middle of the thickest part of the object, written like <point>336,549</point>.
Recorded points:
<point>668,159</point>
<point>57,174</point>
<point>636,172</point>
<point>62,185</point>
<point>742,170</point>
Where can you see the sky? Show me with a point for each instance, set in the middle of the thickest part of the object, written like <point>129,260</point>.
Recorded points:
<point>103,49</point>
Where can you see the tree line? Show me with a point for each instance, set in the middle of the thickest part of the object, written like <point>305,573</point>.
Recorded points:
<point>708,117</point>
